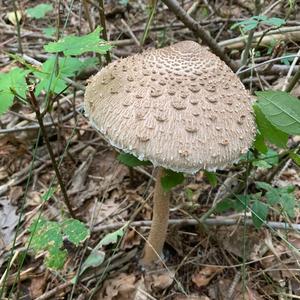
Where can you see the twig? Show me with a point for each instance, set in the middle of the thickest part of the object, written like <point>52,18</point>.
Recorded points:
<point>246,51</point>
<point>289,74</point>
<point>152,8</point>
<point>36,126</point>
<point>210,221</point>
<point>20,50</point>
<point>103,25</point>
<point>53,292</point>
<point>293,81</point>
<point>130,32</point>
<point>174,6</point>
<point>39,117</point>
<point>284,32</point>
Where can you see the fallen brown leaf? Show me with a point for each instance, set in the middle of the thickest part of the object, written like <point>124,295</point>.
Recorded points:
<point>202,277</point>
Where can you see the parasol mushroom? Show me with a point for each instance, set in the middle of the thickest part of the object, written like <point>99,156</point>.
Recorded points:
<point>180,107</point>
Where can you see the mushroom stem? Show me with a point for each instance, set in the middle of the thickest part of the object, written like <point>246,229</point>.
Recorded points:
<point>158,230</point>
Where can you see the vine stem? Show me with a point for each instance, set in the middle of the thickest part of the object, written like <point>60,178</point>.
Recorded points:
<point>39,117</point>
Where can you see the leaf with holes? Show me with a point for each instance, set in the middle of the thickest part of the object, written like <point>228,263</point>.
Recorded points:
<point>75,231</point>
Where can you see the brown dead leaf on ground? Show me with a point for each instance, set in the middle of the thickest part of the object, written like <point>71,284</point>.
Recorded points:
<point>122,287</point>
<point>8,222</point>
<point>158,280</point>
<point>37,285</point>
<point>131,239</point>
<point>191,297</point>
<point>224,287</point>
<point>203,277</point>
<point>232,239</point>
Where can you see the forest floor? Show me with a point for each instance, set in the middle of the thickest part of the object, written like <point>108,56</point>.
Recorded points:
<point>210,262</point>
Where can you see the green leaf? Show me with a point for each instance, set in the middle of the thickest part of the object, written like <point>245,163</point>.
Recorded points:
<point>39,11</point>
<point>171,179</point>
<point>48,235</point>
<point>48,194</point>
<point>49,31</point>
<point>281,109</point>
<point>67,67</point>
<point>56,258</point>
<point>263,185</point>
<point>212,178</point>
<point>95,259</point>
<point>270,132</point>
<point>259,144</point>
<point>241,202</point>
<point>288,203</point>
<point>77,45</point>
<point>295,157</point>
<point>224,205</point>
<point>10,83</point>
<point>111,238</point>
<point>274,22</point>
<point>131,161</point>
<point>75,231</point>
<point>259,213</point>
<point>267,160</point>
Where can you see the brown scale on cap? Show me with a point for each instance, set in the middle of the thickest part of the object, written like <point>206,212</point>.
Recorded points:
<point>187,94</point>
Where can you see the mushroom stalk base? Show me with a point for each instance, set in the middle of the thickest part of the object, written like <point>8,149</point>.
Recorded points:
<point>158,231</point>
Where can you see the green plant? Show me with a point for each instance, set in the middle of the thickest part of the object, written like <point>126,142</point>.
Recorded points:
<point>48,236</point>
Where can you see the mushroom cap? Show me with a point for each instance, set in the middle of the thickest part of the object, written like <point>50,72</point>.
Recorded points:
<point>179,107</point>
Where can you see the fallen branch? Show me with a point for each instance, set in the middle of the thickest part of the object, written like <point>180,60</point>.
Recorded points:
<point>210,221</point>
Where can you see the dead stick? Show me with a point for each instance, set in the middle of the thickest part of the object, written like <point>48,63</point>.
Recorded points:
<point>103,25</point>
<point>193,222</point>
<point>189,22</point>
<point>39,117</point>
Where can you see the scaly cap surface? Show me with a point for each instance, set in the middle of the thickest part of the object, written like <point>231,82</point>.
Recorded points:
<point>179,107</point>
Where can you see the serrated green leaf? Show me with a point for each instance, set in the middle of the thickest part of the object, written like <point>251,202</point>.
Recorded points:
<point>67,67</point>
<point>270,132</point>
<point>131,161</point>
<point>77,45</point>
<point>39,11</point>
<point>281,109</point>
<point>212,178</point>
<point>295,157</point>
<point>10,83</point>
<point>75,231</point>
<point>111,238</point>
<point>259,213</point>
<point>171,179</point>
<point>56,258</point>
